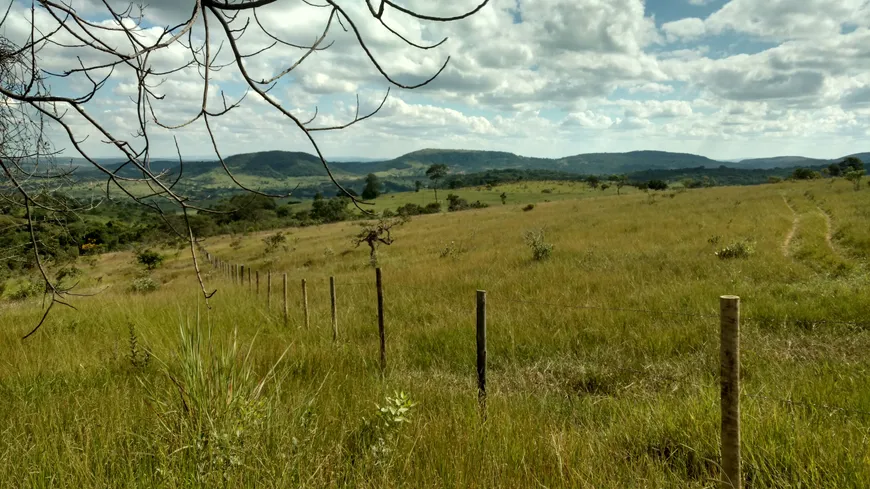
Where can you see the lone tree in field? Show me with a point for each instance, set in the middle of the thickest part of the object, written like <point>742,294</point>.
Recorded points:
<point>218,48</point>
<point>436,172</point>
<point>372,188</point>
<point>417,185</point>
<point>377,233</point>
<point>619,180</point>
<point>855,177</point>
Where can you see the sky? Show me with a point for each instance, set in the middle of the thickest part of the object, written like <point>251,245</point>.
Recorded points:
<point>727,79</point>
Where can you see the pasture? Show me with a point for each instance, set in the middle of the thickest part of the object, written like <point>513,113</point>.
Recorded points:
<point>603,359</point>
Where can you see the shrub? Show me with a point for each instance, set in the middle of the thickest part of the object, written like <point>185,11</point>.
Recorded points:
<point>432,208</point>
<point>541,250</point>
<point>27,289</point>
<point>774,179</point>
<point>143,285</point>
<point>738,249</point>
<point>150,259</point>
<point>388,213</point>
<point>657,185</point>
<point>547,191</point>
<point>528,207</point>
<point>274,241</point>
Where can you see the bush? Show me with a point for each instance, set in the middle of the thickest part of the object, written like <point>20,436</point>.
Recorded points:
<point>541,250</point>
<point>657,185</point>
<point>738,249</point>
<point>274,241</point>
<point>805,174</point>
<point>26,290</point>
<point>528,207</point>
<point>150,259</point>
<point>143,285</point>
<point>774,179</point>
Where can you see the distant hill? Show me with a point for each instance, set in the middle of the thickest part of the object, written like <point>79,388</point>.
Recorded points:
<point>282,165</point>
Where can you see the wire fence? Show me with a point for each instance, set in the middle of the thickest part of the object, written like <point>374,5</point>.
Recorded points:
<point>830,409</point>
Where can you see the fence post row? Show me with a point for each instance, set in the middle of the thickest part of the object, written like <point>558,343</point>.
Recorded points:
<point>481,351</point>
<point>334,309</point>
<point>380,286</point>
<point>729,372</point>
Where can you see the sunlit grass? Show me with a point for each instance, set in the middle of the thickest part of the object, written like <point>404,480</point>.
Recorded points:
<point>577,397</point>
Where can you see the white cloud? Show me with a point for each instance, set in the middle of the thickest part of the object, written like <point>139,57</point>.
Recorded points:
<point>684,29</point>
<point>542,86</point>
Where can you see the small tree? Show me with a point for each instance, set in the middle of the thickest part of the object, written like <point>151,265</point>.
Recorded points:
<point>150,259</point>
<point>619,180</point>
<point>503,198</point>
<point>274,241</point>
<point>372,188</point>
<point>418,185</point>
<point>436,172</point>
<point>593,181</point>
<point>657,185</point>
<point>376,233</point>
<point>855,178</point>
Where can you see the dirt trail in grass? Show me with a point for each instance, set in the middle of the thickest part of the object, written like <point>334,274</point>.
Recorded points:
<point>828,231</point>
<point>793,230</point>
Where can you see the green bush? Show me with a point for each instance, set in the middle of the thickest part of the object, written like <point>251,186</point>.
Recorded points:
<point>143,285</point>
<point>541,250</point>
<point>150,259</point>
<point>27,289</point>
<point>528,207</point>
<point>737,249</point>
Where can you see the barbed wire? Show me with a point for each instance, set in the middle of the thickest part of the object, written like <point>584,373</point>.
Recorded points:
<point>617,309</point>
<point>662,313</point>
<point>819,407</point>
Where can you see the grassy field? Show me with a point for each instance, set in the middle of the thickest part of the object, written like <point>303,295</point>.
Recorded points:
<point>228,396</point>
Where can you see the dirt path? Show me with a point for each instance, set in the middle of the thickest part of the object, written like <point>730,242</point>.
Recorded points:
<point>793,230</point>
<point>828,230</point>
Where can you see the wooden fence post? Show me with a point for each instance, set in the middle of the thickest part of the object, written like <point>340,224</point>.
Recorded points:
<point>285,299</point>
<point>729,372</point>
<point>305,303</point>
<point>269,289</point>
<point>242,275</point>
<point>380,287</point>
<point>250,285</point>
<point>334,309</point>
<point>481,350</point>
<point>258,282</point>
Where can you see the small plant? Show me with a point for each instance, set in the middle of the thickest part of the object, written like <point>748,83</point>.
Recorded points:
<point>528,207</point>
<point>503,197</point>
<point>376,437</point>
<point>738,249</point>
<point>150,259</point>
<point>396,411</point>
<point>138,358</point>
<point>541,250</point>
<point>275,241</point>
<point>143,285</point>
<point>714,240</point>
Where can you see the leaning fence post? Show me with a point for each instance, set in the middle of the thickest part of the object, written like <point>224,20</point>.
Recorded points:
<point>305,303</point>
<point>729,372</point>
<point>481,350</point>
<point>285,299</point>
<point>269,289</point>
<point>334,309</point>
<point>250,285</point>
<point>380,286</point>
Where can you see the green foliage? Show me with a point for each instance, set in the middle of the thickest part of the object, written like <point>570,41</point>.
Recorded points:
<point>372,188</point>
<point>212,406</point>
<point>459,204</point>
<point>855,177</point>
<point>138,357</point>
<point>843,168</point>
<point>331,210</point>
<point>657,185</point>
<point>738,249</point>
<point>411,209</point>
<point>144,285</point>
<point>528,207</point>
<point>503,197</point>
<point>275,241</point>
<point>27,289</point>
<point>417,185</point>
<point>435,173</point>
<point>805,174</point>
<point>150,259</point>
<point>541,250</point>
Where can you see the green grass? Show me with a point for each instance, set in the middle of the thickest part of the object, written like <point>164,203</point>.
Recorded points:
<point>577,397</point>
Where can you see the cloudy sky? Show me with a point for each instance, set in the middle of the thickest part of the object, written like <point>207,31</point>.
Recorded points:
<point>726,79</point>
